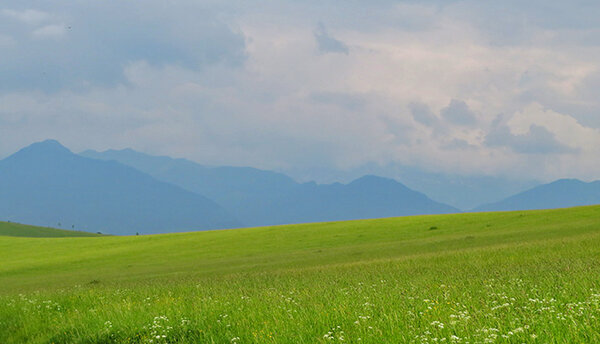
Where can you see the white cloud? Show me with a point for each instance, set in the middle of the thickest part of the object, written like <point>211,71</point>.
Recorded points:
<point>412,84</point>
<point>29,16</point>
<point>565,128</point>
<point>50,31</point>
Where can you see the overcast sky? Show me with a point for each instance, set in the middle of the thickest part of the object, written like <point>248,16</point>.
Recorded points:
<point>507,88</point>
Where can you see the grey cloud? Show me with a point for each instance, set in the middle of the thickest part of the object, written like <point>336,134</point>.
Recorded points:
<point>400,131</point>
<point>515,22</point>
<point>538,140</point>
<point>586,111</point>
<point>554,14</point>
<point>537,85</point>
<point>458,112</point>
<point>196,95</point>
<point>458,144</point>
<point>328,44</point>
<point>75,45</point>
<point>422,114</point>
<point>348,101</point>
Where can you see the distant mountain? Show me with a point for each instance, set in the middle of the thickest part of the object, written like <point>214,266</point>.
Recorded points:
<point>461,191</point>
<point>47,185</point>
<point>259,198</point>
<point>363,198</point>
<point>562,193</point>
<point>222,184</point>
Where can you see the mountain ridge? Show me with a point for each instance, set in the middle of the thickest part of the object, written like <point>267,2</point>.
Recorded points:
<point>260,198</point>
<point>561,193</point>
<point>46,184</point>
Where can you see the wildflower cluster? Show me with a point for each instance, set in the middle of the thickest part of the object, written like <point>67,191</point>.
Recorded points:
<point>159,330</point>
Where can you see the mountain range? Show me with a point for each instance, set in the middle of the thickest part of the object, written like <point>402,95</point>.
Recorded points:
<point>260,198</point>
<point>462,191</point>
<point>128,192</point>
<point>45,184</point>
<point>562,193</point>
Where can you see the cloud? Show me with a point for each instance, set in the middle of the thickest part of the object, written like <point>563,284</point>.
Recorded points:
<point>458,144</point>
<point>458,112</point>
<point>51,31</point>
<point>565,128</point>
<point>347,101</point>
<point>230,83</point>
<point>28,16</point>
<point>99,40</point>
<point>422,114</point>
<point>537,140</point>
<point>327,44</point>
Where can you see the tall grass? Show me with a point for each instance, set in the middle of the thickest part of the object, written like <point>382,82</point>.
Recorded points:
<point>479,278</point>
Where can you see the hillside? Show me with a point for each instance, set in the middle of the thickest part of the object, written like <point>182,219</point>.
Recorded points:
<point>47,185</point>
<point>261,198</point>
<point>562,193</point>
<point>485,277</point>
<point>20,230</point>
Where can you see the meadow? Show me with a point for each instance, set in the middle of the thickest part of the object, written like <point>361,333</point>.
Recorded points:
<point>21,230</point>
<point>507,277</point>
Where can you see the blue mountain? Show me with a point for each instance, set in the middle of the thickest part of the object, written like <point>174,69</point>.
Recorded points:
<point>366,197</point>
<point>46,184</point>
<point>460,191</point>
<point>562,193</point>
<point>259,198</point>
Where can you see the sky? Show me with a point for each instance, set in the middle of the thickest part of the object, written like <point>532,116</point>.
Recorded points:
<point>503,88</point>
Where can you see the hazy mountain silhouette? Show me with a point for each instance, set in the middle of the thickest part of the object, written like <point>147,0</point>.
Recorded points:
<point>366,197</point>
<point>461,191</point>
<point>562,193</point>
<point>258,197</point>
<point>45,184</point>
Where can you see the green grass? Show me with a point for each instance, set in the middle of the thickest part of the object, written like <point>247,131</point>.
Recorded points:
<point>509,277</point>
<point>20,230</point>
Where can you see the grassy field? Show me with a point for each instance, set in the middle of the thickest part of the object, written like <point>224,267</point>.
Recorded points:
<point>20,230</point>
<point>515,277</point>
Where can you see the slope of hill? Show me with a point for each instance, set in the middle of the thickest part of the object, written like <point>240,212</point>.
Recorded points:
<point>45,184</point>
<point>519,276</point>
<point>562,193</point>
<point>20,230</point>
<point>260,198</point>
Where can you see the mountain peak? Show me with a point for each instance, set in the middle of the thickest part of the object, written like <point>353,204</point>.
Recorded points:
<point>45,183</point>
<point>562,193</point>
<point>47,146</point>
<point>566,181</point>
<point>47,149</point>
<point>372,180</point>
